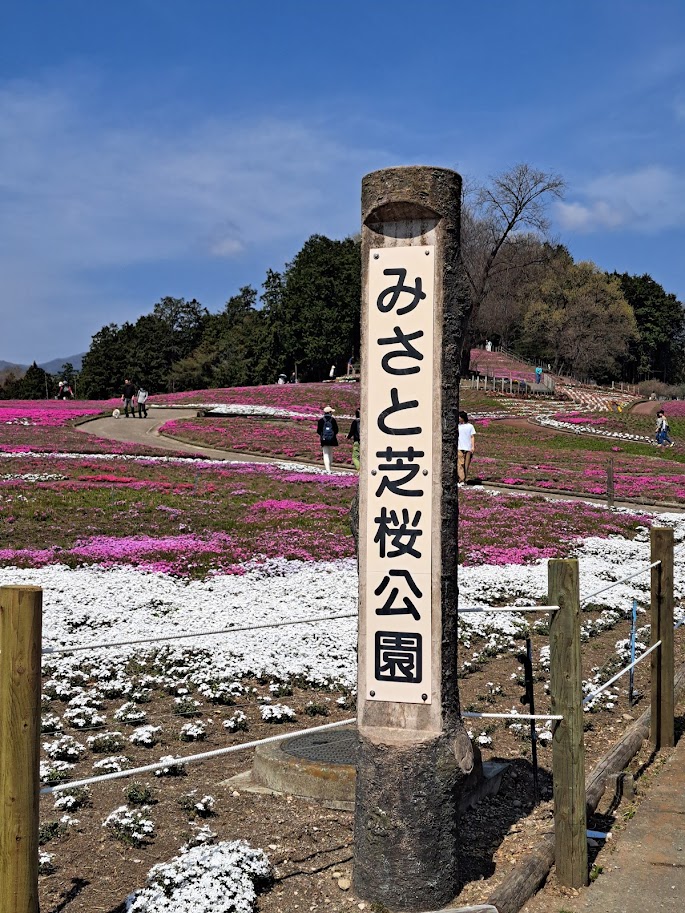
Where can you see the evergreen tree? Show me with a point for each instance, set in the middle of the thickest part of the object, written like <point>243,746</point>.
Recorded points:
<point>659,351</point>
<point>36,384</point>
<point>102,370</point>
<point>317,320</point>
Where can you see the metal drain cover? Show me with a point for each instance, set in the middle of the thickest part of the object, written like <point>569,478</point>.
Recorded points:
<point>339,746</point>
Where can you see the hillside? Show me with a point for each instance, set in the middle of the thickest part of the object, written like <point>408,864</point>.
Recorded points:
<point>52,366</point>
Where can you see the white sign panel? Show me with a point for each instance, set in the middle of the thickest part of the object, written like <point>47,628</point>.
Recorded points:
<point>399,432</point>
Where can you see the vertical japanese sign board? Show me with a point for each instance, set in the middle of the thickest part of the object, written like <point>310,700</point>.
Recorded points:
<point>413,751</point>
<point>399,432</point>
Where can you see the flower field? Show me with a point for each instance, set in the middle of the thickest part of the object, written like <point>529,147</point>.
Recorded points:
<point>294,439</point>
<point>194,517</point>
<point>308,399</point>
<point>129,544</point>
<point>530,456</point>
<point>626,425</point>
<point>30,426</point>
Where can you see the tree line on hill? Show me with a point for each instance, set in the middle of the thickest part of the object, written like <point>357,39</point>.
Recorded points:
<point>526,293</point>
<point>37,383</point>
<point>306,319</point>
<point>585,322</point>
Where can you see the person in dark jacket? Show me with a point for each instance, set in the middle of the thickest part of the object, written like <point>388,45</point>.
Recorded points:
<point>353,435</point>
<point>127,395</point>
<point>327,429</point>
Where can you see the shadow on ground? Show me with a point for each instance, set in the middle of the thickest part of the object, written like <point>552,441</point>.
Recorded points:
<point>484,827</point>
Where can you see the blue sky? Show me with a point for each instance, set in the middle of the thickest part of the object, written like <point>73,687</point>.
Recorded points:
<point>158,147</point>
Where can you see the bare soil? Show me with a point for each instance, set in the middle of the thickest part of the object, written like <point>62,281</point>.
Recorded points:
<point>310,846</point>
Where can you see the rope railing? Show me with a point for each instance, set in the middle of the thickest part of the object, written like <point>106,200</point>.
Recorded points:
<point>615,678</point>
<point>606,589</point>
<point>190,759</point>
<point>471,714</point>
<point>509,608</point>
<point>53,651</point>
<point>104,645</point>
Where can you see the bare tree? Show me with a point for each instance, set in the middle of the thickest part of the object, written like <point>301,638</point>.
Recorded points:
<point>522,264</point>
<point>495,216</point>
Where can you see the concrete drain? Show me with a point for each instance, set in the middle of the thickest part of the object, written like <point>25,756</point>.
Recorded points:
<point>339,746</point>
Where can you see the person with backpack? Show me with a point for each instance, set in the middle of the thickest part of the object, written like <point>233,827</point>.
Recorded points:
<point>327,429</point>
<point>142,400</point>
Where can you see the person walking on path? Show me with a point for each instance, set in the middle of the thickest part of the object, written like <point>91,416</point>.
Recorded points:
<point>327,429</point>
<point>466,446</point>
<point>142,400</point>
<point>127,395</point>
<point>663,438</point>
<point>353,435</point>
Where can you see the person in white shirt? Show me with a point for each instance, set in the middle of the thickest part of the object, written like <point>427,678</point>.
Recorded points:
<point>466,446</point>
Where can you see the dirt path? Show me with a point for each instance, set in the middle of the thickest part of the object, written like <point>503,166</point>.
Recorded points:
<point>647,408</point>
<point>146,431</point>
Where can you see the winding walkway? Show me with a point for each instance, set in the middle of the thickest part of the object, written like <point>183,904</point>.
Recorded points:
<point>146,431</point>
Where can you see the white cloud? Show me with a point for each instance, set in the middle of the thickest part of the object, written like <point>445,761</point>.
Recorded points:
<point>227,247</point>
<point>80,193</point>
<point>648,200</point>
<point>106,195</point>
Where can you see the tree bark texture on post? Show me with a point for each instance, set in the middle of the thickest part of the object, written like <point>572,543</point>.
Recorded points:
<point>662,663</point>
<point>20,687</point>
<point>413,755</point>
<point>568,749</point>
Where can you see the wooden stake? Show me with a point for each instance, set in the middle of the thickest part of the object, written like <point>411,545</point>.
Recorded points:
<point>20,685</point>
<point>662,723</point>
<point>610,482</point>
<point>568,757</point>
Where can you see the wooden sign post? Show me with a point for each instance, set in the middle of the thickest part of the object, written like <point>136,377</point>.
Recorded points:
<point>414,752</point>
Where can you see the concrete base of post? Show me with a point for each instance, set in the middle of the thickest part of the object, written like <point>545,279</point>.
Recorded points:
<point>406,822</point>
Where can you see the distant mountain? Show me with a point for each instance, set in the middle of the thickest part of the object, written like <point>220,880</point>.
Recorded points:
<point>52,367</point>
<point>8,367</point>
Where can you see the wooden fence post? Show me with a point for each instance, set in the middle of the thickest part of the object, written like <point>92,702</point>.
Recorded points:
<point>20,686</point>
<point>662,723</point>
<point>568,750</point>
<point>610,482</point>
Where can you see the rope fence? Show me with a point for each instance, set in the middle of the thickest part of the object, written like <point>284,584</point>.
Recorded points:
<point>508,608</point>
<point>615,678</point>
<point>166,638</point>
<point>566,689</point>
<point>606,589</point>
<point>511,716</point>
<point>20,641</point>
<point>190,759</point>
<point>191,634</point>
